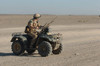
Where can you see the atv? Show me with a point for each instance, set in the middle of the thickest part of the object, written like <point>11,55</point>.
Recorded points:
<point>45,43</point>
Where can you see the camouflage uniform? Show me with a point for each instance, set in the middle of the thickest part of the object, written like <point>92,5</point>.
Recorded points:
<point>31,30</point>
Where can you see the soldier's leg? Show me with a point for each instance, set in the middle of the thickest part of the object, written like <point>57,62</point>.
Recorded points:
<point>33,40</point>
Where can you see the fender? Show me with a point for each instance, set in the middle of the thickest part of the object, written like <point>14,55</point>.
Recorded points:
<point>20,38</point>
<point>45,37</point>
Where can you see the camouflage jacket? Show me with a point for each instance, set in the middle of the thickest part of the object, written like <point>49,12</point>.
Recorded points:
<point>32,26</point>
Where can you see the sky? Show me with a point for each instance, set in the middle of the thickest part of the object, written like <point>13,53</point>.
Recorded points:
<point>57,7</point>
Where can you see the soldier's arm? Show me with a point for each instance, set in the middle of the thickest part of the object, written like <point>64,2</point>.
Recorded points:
<point>30,24</point>
<point>39,26</point>
<point>28,27</point>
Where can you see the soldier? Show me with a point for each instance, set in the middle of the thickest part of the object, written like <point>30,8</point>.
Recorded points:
<point>31,28</point>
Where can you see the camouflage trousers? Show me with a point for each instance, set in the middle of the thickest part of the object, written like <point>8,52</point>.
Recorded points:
<point>34,36</point>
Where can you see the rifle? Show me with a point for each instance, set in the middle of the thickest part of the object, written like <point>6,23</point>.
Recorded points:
<point>50,22</point>
<point>47,24</point>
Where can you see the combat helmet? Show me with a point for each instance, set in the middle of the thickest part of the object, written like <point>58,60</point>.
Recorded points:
<point>36,16</point>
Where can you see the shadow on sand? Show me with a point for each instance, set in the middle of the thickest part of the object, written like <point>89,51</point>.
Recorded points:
<point>25,54</point>
<point>6,54</point>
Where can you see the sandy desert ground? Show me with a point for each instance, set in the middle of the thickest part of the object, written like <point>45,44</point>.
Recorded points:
<point>81,41</point>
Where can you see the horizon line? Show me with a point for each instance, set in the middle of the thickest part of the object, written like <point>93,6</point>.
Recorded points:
<point>55,14</point>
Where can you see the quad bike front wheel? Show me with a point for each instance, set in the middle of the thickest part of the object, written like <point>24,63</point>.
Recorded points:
<point>17,48</point>
<point>58,50</point>
<point>45,49</point>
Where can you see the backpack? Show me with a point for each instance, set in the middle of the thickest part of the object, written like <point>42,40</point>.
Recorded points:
<point>26,29</point>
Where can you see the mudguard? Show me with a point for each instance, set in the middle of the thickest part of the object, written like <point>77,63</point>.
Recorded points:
<point>20,38</point>
<point>47,38</point>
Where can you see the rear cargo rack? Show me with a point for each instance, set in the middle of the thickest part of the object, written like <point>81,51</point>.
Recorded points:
<point>18,33</point>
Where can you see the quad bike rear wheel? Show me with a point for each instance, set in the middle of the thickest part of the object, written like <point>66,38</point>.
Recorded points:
<point>17,48</point>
